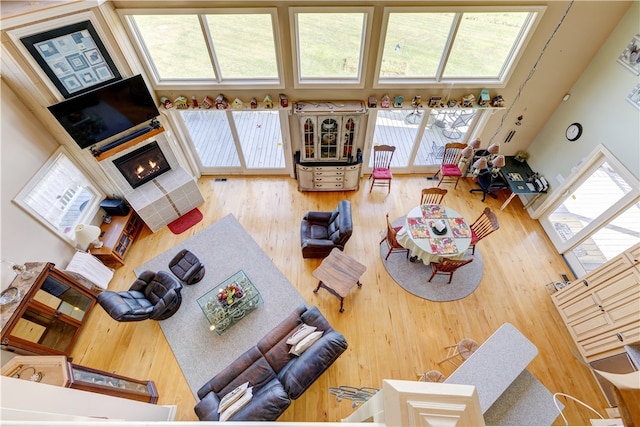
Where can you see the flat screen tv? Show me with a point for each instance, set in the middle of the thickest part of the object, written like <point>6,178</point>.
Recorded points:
<point>100,114</point>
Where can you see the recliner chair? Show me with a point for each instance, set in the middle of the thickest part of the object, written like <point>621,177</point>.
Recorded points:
<point>154,296</point>
<point>320,232</point>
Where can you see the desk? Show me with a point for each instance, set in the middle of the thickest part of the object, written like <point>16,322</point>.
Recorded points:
<point>338,273</point>
<point>511,172</point>
<point>421,247</point>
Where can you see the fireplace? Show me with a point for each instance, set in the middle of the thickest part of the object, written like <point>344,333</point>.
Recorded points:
<point>143,164</point>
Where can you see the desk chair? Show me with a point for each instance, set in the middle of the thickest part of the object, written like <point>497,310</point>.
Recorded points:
<point>489,183</point>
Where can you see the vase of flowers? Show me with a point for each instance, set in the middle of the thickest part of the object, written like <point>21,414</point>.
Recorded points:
<point>230,295</point>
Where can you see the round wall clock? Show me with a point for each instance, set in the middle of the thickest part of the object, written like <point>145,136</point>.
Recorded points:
<point>574,131</point>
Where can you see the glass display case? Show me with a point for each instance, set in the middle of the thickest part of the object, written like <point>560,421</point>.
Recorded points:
<point>88,379</point>
<point>50,315</point>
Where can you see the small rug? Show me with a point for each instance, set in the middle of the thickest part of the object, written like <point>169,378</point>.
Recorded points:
<point>185,222</point>
<point>413,276</point>
<point>225,248</point>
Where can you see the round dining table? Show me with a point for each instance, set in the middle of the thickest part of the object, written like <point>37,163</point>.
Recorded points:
<point>420,235</point>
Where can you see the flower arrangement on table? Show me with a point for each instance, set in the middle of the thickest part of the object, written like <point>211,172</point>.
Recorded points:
<point>230,294</point>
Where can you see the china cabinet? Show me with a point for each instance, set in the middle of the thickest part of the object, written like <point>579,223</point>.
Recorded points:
<point>602,309</point>
<point>49,314</point>
<point>329,131</point>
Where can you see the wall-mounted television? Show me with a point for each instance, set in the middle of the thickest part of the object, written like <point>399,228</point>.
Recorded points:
<point>100,114</point>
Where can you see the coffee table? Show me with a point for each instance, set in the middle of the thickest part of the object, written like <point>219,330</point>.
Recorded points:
<point>222,317</point>
<point>338,273</point>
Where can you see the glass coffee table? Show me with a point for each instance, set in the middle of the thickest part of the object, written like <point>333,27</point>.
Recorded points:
<point>229,301</point>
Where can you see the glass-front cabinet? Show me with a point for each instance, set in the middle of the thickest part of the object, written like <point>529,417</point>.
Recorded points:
<point>329,131</point>
<point>50,313</point>
<point>88,379</point>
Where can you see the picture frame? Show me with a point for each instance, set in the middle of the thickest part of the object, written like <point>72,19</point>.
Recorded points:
<point>73,57</point>
<point>634,97</point>
<point>630,56</point>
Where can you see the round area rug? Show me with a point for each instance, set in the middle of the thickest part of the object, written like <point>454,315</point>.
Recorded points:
<point>413,276</point>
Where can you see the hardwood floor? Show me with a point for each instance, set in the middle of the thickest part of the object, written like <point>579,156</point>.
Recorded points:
<point>391,333</point>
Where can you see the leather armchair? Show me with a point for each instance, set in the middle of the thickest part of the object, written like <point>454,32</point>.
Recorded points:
<point>154,296</point>
<point>320,232</point>
<point>187,267</point>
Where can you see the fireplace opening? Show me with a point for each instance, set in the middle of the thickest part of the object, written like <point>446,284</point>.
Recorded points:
<point>143,164</point>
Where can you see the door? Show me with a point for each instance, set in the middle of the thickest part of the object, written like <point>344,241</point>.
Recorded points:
<point>420,135</point>
<point>597,215</point>
<point>247,142</point>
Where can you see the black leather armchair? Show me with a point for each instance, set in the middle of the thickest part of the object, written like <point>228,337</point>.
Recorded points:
<point>187,267</point>
<point>153,296</point>
<point>489,183</point>
<point>320,232</point>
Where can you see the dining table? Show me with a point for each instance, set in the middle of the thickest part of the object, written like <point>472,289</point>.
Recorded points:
<point>421,235</point>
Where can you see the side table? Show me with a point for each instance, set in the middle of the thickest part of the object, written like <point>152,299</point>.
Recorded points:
<point>338,273</point>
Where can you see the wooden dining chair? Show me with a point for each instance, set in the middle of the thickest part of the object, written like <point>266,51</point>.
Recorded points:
<point>460,351</point>
<point>484,225</point>
<point>392,240</point>
<point>449,169</point>
<point>432,195</point>
<point>381,173</point>
<point>448,266</point>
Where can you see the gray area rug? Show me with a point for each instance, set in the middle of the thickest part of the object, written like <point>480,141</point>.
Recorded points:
<point>413,276</point>
<point>225,248</point>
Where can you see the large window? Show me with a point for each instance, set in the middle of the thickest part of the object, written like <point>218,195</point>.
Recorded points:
<point>473,45</point>
<point>329,46</point>
<point>60,196</point>
<point>229,46</point>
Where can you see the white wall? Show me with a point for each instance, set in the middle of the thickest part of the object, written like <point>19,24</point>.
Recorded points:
<point>598,103</point>
<point>23,151</point>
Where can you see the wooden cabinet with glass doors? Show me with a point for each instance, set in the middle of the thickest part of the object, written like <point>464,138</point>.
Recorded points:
<point>329,138</point>
<point>48,313</point>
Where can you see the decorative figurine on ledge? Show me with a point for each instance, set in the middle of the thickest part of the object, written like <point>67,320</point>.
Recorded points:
<point>416,102</point>
<point>166,103</point>
<point>398,101</point>
<point>237,104</point>
<point>194,102</point>
<point>435,102</point>
<point>372,102</point>
<point>207,102</point>
<point>385,102</point>
<point>284,102</point>
<point>467,101</point>
<point>484,98</point>
<point>221,102</point>
<point>181,103</point>
<point>254,103</point>
<point>267,102</point>
<point>497,101</point>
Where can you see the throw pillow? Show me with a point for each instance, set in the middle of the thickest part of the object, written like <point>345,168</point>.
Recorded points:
<point>303,331</point>
<point>307,342</point>
<point>232,396</point>
<point>237,405</point>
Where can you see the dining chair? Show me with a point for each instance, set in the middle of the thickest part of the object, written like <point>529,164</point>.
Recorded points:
<point>460,351</point>
<point>392,241</point>
<point>381,173</point>
<point>484,225</point>
<point>447,266</point>
<point>449,169</point>
<point>432,195</point>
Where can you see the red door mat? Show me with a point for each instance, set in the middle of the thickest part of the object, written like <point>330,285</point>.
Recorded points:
<point>185,222</point>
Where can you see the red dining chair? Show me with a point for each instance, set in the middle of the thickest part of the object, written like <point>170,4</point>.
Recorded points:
<point>486,224</point>
<point>392,240</point>
<point>449,169</point>
<point>381,173</point>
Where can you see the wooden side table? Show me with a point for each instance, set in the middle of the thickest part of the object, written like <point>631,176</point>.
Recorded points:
<point>338,273</point>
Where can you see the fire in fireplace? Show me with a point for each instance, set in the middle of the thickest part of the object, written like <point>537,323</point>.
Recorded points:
<point>143,164</point>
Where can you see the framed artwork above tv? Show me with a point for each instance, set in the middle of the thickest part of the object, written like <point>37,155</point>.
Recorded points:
<point>73,57</point>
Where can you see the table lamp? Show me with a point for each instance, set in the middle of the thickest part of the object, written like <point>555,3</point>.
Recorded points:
<point>87,235</point>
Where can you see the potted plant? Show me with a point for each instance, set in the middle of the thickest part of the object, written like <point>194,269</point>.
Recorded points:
<point>521,156</point>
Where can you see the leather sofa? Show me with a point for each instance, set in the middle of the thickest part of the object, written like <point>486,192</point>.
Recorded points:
<point>320,232</point>
<point>275,375</point>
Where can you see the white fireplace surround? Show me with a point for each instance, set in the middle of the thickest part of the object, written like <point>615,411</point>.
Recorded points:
<point>163,199</point>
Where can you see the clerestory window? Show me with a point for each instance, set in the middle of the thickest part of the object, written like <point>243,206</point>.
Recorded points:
<point>224,46</point>
<point>476,45</point>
